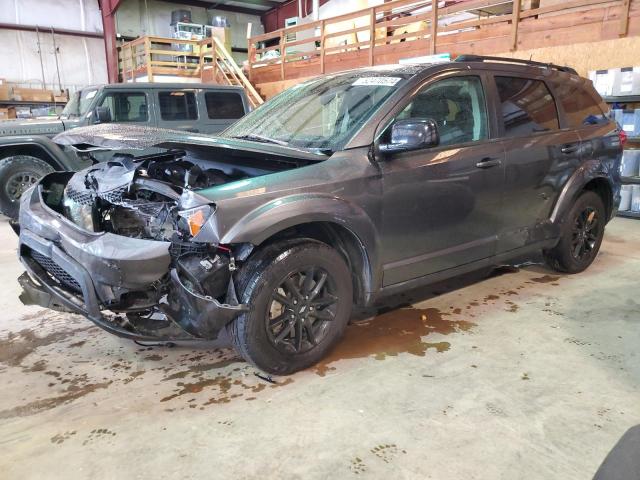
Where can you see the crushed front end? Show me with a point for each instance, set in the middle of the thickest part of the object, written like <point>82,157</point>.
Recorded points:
<point>132,246</point>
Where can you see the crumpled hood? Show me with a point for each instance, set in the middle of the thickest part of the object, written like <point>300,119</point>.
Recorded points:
<point>31,126</point>
<point>114,136</point>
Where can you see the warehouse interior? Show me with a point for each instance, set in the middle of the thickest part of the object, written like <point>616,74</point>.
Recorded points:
<point>472,320</point>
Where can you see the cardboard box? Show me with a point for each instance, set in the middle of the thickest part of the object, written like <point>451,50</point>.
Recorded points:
<point>5,92</point>
<point>7,113</point>
<point>32,95</point>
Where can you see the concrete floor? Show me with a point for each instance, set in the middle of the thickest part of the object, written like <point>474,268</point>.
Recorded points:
<point>524,375</point>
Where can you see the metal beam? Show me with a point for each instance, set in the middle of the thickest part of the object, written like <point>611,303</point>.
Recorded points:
<point>219,6</point>
<point>108,9</point>
<point>262,3</point>
<point>58,31</point>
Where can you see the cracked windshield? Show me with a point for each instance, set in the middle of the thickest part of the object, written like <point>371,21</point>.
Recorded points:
<point>319,115</point>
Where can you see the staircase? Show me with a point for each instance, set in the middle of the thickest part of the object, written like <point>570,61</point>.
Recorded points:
<point>218,66</point>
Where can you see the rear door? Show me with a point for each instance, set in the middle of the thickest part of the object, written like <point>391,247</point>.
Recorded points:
<point>441,205</point>
<point>540,156</point>
<point>585,112</point>
<point>178,109</point>
<point>219,109</point>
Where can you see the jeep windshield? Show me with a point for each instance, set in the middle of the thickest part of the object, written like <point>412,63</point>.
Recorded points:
<point>79,103</point>
<point>321,114</point>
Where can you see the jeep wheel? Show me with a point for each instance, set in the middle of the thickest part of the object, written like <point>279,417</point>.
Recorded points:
<point>581,235</point>
<point>18,173</point>
<point>300,297</point>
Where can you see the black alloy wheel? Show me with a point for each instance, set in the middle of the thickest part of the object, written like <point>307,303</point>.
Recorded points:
<point>301,309</point>
<point>581,233</point>
<point>300,296</point>
<point>585,233</point>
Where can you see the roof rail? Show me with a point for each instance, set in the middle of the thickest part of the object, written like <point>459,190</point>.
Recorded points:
<point>482,58</point>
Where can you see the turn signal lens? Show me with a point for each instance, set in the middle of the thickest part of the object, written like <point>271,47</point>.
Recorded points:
<point>196,218</point>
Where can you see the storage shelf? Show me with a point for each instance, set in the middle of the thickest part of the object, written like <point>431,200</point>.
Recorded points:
<point>25,102</point>
<point>622,99</point>
<point>629,214</point>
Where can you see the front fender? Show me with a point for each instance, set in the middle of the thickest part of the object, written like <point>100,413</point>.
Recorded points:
<point>55,155</point>
<point>588,171</point>
<point>282,213</point>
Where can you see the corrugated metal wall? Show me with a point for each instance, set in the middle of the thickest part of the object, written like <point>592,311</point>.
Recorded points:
<point>81,60</point>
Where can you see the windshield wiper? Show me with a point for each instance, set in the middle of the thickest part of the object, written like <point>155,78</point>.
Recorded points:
<point>261,139</point>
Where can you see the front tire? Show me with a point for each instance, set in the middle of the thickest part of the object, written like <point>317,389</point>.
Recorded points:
<point>581,235</point>
<point>300,297</point>
<point>17,173</point>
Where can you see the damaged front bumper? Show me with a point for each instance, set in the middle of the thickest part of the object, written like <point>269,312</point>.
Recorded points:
<point>130,287</point>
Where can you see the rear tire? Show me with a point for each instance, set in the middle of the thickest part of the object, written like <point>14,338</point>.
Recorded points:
<point>581,235</point>
<point>17,173</point>
<point>300,297</point>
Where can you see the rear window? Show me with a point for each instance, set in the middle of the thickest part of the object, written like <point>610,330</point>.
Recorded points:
<point>527,106</point>
<point>580,108</point>
<point>178,105</point>
<point>223,105</point>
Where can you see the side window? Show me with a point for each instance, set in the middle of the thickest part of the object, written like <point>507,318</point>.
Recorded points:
<point>127,106</point>
<point>580,108</point>
<point>457,106</point>
<point>222,105</point>
<point>178,105</point>
<point>527,106</point>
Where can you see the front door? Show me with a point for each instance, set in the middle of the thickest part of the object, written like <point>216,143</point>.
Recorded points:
<point>441,205</point>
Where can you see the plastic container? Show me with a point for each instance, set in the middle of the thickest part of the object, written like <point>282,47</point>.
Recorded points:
<point>625,198</point>
<point>635,198</point>
<point>183,16</point>
<point>630,165</point>
<point>629,122</point>
<point>617,115</point>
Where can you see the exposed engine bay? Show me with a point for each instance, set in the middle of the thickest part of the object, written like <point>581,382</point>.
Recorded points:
<point>185,288</point>
<point>138,198</point>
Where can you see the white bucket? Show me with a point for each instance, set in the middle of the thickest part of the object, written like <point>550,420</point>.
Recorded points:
<point>629,165</point>
<point>625,201</point>
<point>635,198</point>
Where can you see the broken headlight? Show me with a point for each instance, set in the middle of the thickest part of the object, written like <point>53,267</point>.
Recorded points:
<point>82,214</point>
<point>196,218</point>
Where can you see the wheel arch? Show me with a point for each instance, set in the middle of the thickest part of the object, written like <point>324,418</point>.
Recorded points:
<point>33,150</point>
<point>602,187</point>
<point>589,177</point>
<point>345,241</point>
<point>333,221</point>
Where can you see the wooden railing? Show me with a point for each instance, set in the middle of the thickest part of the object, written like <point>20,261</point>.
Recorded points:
<point>218,66</point>
<point>208,61</point>
<point>402,29</point>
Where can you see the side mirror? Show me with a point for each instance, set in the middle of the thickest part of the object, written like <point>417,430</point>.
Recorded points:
<point>411,134</point>
<point>102,115</point>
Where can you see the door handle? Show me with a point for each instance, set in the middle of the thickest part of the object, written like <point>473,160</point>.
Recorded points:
<point>569,149</point>
<point>488,162</point>
<point>192,130</point>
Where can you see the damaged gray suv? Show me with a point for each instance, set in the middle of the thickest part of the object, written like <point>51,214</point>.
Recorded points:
<point>340,191</point>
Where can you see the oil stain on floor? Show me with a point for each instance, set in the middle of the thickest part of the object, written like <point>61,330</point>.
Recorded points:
<point>392,333</point>
<point>51,353</point>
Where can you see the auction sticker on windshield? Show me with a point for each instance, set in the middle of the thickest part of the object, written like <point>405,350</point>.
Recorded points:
<point>378,81</point>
